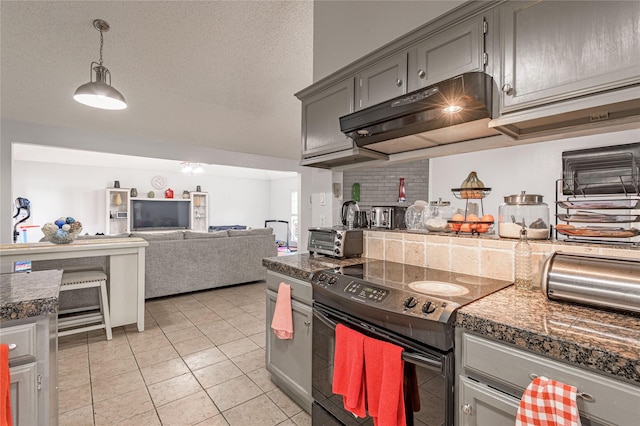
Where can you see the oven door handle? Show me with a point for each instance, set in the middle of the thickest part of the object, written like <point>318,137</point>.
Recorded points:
<point>412,357</point>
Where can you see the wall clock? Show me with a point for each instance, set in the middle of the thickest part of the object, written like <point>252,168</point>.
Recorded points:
<point>158,182</point>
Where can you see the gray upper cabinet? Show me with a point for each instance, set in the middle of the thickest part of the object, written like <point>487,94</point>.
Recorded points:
<point>320,119</point>
<point>382,81</point>
<point>452,52</point>
<point>557,50</point>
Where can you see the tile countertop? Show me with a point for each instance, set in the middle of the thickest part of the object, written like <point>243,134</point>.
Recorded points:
<point>591,338</point>
<point>25,295</point>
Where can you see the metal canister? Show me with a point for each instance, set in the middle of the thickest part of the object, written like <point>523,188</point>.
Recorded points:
<point>604,281</point>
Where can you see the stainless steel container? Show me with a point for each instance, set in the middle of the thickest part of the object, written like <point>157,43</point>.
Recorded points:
<point>607,282</point>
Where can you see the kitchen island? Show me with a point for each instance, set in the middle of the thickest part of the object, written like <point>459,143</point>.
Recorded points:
<point>28,318</point>
<point>125,269</point>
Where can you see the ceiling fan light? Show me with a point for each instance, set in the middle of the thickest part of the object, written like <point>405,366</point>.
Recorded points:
<point>100,95</point>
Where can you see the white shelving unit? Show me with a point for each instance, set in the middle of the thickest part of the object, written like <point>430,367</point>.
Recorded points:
<point>199,211</point>
<point>118,211</point>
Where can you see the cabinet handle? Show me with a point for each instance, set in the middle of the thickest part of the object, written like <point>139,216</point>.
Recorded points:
<point>307,323</point>
<point>466,409</point>
<point>507,89</point>
<point>398,82</point>
<point>586,396</point>
<point>12,346</point>
<point>421,73</point>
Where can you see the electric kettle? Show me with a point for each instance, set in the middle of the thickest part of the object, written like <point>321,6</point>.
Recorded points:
<point>349,209</point>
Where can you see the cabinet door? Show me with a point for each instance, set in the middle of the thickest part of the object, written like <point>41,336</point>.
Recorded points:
<point>24,395</point>
<point>556,50</point>
<point>383,81</point>
<point>289,361</point>
<point>481,405</point>
<point>199,211</point>
<point>453,52</point>
<point>321,120</point>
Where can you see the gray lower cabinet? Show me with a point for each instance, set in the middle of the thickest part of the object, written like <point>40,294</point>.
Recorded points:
<point>382,81</point>
<point>320,119</point>
<point>491,377</point>
<point>289,361</point>
<point>557,50</point>
<point>33,369</point>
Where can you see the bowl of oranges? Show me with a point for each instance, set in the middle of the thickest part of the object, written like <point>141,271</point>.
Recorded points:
<point>471,223</point>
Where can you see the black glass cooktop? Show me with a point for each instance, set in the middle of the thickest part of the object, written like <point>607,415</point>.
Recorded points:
<point>445,285</point>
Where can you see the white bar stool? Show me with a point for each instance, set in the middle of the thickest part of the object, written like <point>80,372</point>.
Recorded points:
<point>71,324</point>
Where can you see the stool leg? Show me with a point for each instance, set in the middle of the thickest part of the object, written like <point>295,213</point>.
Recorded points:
<point>104,307</point>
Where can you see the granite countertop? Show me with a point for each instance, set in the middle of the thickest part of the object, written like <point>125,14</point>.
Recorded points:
<point>29,294</point>
<point>302,266</point>
<point>591,338</point>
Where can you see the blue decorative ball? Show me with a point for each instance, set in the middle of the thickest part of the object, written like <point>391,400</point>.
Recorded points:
<point>70,220</point>
<point>62,234</point>
<point>60,222</point>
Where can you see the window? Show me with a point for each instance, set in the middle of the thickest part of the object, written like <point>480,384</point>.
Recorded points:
<point>293,223</point>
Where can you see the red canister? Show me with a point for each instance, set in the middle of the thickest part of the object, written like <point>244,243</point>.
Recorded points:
<point>168,193</point>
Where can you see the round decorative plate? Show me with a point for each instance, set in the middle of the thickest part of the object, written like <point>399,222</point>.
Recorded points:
<point>158,182</point>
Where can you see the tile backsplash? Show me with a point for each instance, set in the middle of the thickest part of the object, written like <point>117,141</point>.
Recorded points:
<point>483,256</point>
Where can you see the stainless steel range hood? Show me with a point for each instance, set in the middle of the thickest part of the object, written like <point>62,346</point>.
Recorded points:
<point>454,110</point>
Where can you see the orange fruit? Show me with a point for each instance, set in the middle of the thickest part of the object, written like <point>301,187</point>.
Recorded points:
<point>465,227</point>
<point>457,217</point>
<point>487,218</point>
<point>454,226</point>
<point>472,218</point>
<point>482,228</point>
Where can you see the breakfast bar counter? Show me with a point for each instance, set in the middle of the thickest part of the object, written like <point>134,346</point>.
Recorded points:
<point>125,269</point>
<point>27,295</point>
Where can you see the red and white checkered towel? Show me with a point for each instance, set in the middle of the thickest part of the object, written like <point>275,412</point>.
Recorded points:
<point>547,402</point>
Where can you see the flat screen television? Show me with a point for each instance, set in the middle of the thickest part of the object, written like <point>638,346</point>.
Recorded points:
<point>151,215</point>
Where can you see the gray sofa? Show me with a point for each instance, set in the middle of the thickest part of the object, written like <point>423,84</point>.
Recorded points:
<point>184,261</point>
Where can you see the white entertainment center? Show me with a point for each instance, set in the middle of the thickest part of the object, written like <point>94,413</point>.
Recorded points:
<point>121,208</point>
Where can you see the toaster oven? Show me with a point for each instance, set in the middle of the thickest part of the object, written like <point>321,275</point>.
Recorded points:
<point>335,242</point>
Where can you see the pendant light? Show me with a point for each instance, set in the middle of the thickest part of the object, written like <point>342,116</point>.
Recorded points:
<point>100,93</point>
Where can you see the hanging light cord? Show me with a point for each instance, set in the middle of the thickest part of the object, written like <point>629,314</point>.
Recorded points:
<point>101,43</point>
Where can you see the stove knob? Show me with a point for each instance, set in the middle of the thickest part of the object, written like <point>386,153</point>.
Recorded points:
<point>410,302</point>
<point>322,277</point>
<point>339,236</point>
<point>428,307</point>
<point>337,244</point>
<point>332,280</point>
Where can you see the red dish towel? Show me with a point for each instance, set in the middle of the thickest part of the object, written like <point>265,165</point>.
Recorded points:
<point>282,323</point>
<point>5,387</point>
<point>547,402</point>
<point>385,390</point>
<point>348,369</point>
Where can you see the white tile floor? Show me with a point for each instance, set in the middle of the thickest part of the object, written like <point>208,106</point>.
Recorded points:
<point>200,361</point>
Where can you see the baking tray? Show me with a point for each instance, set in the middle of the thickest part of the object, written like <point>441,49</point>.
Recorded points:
<point>600,204</point>
<point>598,231</point>
<point>598,218</point>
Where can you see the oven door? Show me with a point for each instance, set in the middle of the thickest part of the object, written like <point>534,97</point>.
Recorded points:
<point>430,404</point>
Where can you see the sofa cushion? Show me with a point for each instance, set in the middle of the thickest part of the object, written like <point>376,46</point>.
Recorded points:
<point>189,235</point>
<point>247,232</point>
<point>160,236</point>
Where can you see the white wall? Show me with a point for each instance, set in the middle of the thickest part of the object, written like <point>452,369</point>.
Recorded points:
<point>66,190</point>
<point>532,168</point>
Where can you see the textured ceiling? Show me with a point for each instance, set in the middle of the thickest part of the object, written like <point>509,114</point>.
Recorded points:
<point>219,74</point>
